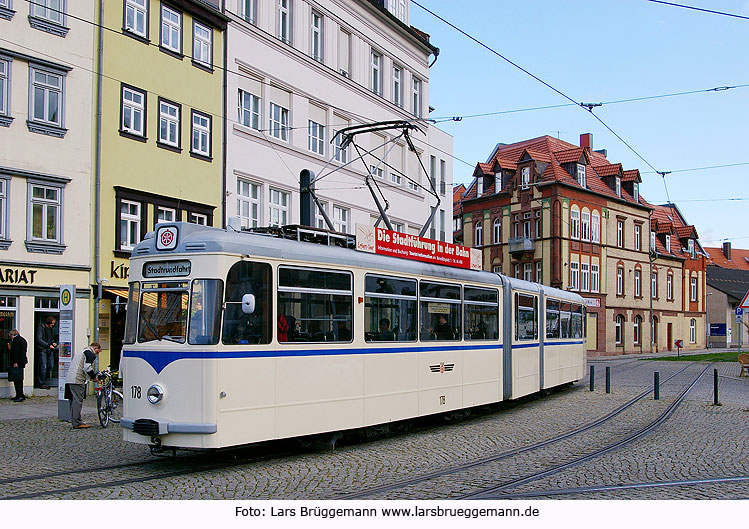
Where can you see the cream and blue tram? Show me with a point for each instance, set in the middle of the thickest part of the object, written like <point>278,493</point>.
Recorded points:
<point>238,337</point>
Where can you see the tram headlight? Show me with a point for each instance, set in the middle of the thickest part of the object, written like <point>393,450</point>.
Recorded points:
<point>155,394</point>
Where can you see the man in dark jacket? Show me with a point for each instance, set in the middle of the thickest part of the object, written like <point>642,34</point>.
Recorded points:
<point>18,359</point>
<point>45,348</point>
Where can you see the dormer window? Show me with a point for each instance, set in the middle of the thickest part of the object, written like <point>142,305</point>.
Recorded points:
<point>636,192</point>
<point>525,178</point>
<point>618,187</point>
<point>479,186</point>
<point>498,181</point>
<point>652,241</point>
<point>690,246</point>
<point>581,175</point>
<point>668,243</point>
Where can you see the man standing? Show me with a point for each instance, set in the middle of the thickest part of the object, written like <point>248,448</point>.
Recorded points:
<point>45,348</point>
<point>81,371</point>
<point>18,359</point>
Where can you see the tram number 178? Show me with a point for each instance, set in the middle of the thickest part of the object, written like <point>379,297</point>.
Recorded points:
<point>135,392</point>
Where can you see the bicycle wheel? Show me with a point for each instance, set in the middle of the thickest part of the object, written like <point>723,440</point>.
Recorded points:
<point>115,409</point>
<point>101,408</point>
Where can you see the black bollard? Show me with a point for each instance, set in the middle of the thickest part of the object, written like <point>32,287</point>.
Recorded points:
<point>608,379</point>
<point>715,387</point>
<point>657,385</point>
<point>592,377</point>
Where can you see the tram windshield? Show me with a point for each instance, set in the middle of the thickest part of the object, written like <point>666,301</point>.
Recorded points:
<point>163,312</point>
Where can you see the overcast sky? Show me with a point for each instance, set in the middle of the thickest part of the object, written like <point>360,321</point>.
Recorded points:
<point>602,51</point>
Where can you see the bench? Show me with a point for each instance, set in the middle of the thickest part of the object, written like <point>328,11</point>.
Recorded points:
<point>744,361</point>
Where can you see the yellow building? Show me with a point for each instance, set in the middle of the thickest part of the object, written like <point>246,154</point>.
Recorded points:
<point>157,136</point>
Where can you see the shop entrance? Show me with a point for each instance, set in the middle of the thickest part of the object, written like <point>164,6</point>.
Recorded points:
<point>44,308</point>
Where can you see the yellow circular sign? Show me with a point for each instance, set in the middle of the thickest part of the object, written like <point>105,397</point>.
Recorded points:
<point>65,297</point>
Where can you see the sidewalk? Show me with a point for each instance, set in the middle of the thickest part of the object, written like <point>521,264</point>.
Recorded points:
<point>38,407</point>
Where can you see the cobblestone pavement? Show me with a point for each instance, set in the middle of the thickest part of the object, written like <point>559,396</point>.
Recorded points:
<point>699,441</point>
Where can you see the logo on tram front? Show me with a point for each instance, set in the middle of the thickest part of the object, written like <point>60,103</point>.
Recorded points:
<point>166,238</point>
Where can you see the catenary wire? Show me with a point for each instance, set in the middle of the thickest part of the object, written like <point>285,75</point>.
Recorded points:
<point>702,9</point>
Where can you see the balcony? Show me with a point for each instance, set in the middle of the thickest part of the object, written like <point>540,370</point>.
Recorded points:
<point>521,245</point>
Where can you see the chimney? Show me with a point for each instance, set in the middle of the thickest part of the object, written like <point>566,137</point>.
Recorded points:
<point>727,250</point>
<point>586,140</point>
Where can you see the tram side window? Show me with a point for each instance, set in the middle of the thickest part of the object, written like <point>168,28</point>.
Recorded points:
<point>131,316</point>
<point>389,309</point>
<point>566,316</point>
<point>314,305</point>
<point>481,313</point>
<point>576,328</point>
<point>440,311</point>
<point>205,311</point>
<point>239,328</point>
<point>526,317</point>
<point>552,318</point>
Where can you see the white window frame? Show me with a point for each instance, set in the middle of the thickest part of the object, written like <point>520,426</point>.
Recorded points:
<point>375,70</point>
<point>319,219</point>
<point>172,122</point>
<point>654,285</point>
<point>397,86</point>
<point>45,89</point>
<point>136,11</point>
<point>595,278</point>
<point>496,231</point>
<point>248,10</point>
<point>691,248</point>
<point>316,137</point>
<point>278,120</point>
<point>340,219</point>
<point>574,275</point>
<point>574,224</point>
<point>5,65</point>
<point>652,241</point>
<point>619,329</point>
<point>316,36</point>
<point>669,287</point>
<point>538,272</point>
<point>197,218</point>
<point>528,271</point>
<point>636,192</point>
<point>340,155</point>
<point>248,109</point>
<point>595,227</point>
<point>416,97</point>
<point>498,181</point>
<point>692,330</point>
<point>638,237</point>
<point>620,281</point>
<point>581,178</point>
<point>201,137</point>
<point>668,243</point>
<point>638,283</point>
<point>284,21</point>
<point>620,234</point>
<point>478,234</point>
<point>170,36</point>
<point>525,178</point>
<point>130,107</point>
<point>249,195</point>
<point>585,226</point>
<point>692,289</point>
<point>278,207</point>
<point>45,9</point>
<point>130,219</point>
<point>584,277</point>
<point>202,46</point>
<point>618,187</point>
<point>517,271</point>
<point>376,171</point>
<point>165,214</point>
<point>636,330</point>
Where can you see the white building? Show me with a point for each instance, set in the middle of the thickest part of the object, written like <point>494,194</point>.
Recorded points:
<point>299,70</point>
<point>46,90</point>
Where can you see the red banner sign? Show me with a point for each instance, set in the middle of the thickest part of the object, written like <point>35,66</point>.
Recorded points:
<point>393,243</point>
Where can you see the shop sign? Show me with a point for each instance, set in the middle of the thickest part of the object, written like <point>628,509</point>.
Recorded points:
<point>120,271</point>
<point>16,276</point>
<point>592,302</point>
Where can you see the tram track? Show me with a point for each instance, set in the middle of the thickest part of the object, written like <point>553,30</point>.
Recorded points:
<point>509,453</point>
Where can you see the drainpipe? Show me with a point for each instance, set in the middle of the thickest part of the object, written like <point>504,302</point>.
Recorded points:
<point>651,256</point>
<point>224,127</point>
<point>97,184</point>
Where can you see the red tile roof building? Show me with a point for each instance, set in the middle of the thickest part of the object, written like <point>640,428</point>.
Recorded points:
<point>727,257</point>
<point>563,215</point>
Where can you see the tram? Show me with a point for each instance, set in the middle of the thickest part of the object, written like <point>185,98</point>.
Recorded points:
<point>234,337</point>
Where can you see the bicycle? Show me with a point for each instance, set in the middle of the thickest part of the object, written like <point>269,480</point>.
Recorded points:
<point>109,401</point>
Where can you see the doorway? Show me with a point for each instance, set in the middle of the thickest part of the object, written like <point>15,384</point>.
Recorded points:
<point>669,336</point>
<point>591,340</point>
<point>43,308</point>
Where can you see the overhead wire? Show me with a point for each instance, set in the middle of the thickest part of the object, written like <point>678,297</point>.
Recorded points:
<point>702,9</point>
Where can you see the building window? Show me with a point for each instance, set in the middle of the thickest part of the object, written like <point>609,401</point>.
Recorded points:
<point>202,44</point>
<point>620,281</point>
<point>620,233</point>
<point>3,210</point>
<point>654,285</point>
<point>396,177</point>
<point>636,192</point>
<point>636,326</point>
<point>585,226</point>
<point>344,47</point>
<point>517,271</point>
<point>133,111</point>
<point>136,17</point>
<point>527,225</point>
<point>693,289</point>
<point>46,213</point>
<point>528,271</point>
<point>618,186</point>
<point>638,234</point>
<point>375,67</point>
<point>129,224</point>
<point>584,277</point>
<point>498,181</point>
<point>574,224</point>
<point>443,177</point>
<point>169,118</point>
<point>4,87</point>
<point>619,329</point>
<point>49,10</point>
<point>278,208</point>
<point>316,137</point>
<point>652,241</point>
<point>249,109</point>
<point>595,228</point>
<point>690,248</point>
<point>416,97</point>
<point>669,286</point>
<point>248,203</point>
<point>341,155</point>
<point>248,10</point>
<point>574,275</point>
<point>479,235</point>
<point>284,21</point>
<point>692,331</point>
<point>376,171</point>
<point>47,97</point>
<point>171,29</point>
<point>340,219</point>
<point>198,218</point>
<point>581,179</point>
<point>538,271</point>
<point>595,278</point>
<point>201,134</point>
<point>525,178</point>
<point>316,36</point>
<point>496,231</point>
<point>397,86</point>
<point>164,214</point>
<point>668,243</point>
<point>279,122</point>
<point>638,283</point>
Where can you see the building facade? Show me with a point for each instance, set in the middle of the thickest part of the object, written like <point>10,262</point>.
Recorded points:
<point>158,136</point>
<point>548,211</point>
<point>46,88</point>
<point>727,284</point>
<point>298,71</point>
